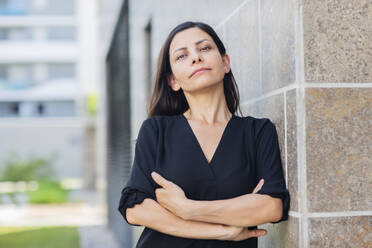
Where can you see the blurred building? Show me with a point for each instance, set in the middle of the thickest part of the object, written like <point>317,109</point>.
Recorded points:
<point>38,59</point>
<point>43,84</point>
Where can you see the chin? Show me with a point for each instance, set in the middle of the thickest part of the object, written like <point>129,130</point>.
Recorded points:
<point>206,86</point>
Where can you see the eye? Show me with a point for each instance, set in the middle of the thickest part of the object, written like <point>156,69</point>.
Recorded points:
<point>206,48</point>
<point>180,56</point>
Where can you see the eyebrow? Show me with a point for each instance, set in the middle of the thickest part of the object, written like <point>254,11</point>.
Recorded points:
<point>196,43</point>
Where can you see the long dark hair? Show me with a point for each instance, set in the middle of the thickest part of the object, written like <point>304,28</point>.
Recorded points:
<point>166,101</point>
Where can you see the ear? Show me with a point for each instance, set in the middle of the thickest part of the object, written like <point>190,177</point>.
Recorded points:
<point>226,61</point>
<point>172,83</point>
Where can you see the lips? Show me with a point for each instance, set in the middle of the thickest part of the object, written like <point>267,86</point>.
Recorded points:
<point>201,69</point>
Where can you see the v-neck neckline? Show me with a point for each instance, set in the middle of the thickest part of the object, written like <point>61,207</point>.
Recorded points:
<point>198,143</point>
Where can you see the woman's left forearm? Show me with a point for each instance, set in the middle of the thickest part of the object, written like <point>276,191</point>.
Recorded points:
<point>246,210</point>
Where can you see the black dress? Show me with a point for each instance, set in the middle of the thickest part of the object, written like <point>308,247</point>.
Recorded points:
<point>247,152</point>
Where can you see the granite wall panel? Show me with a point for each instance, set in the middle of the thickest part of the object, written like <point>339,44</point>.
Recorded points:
<point>337,40</point>
<point>249,51</point>
<point>281,235</point>
<point>278,44</point>
<point>241,41</point>
<point>341,232</point>
<point>338,149</point>
<point>292,146</point>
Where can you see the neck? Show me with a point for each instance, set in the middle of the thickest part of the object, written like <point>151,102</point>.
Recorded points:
<point>208,106</point>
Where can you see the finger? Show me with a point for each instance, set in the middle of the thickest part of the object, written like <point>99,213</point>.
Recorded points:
<point>259,186</point>
<point>256,233</point>
<point>159,191</point>
<point>160,180</point>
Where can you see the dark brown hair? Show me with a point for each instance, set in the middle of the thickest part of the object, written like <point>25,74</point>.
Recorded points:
<point>166,101</point>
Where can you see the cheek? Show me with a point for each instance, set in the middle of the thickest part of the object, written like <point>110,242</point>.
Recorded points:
<point>179,72</point>
<point>217,62</point>
<point>219,69</point>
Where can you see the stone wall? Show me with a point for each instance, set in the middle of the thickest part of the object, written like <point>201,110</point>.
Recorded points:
<point>306,65</point>
<point>337,211</point>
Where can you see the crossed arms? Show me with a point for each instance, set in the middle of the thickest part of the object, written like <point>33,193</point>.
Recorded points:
<point>228,219</point>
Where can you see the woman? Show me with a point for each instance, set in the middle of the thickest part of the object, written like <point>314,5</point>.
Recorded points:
<point>202,176</point>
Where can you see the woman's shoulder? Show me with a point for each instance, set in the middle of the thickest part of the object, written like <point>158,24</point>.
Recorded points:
<point>154,126</point>
<point>160,121</point>
<point>162,118</point>
<point>257,124</point>
<point>256,121</point>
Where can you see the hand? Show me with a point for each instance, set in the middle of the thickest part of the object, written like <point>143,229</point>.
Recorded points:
<point>259,186</point>
<point>237,233</point>
<point>170,196</point>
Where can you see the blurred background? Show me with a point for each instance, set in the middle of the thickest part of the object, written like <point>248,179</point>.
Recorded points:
<point>75,78</point>
<point>52,189</point>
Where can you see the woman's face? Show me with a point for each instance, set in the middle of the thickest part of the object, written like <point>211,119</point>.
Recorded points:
<point>192,49</point>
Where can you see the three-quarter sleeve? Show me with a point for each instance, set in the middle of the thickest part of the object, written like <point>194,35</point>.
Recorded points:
<point>140,184</point>
<point>269,164</point>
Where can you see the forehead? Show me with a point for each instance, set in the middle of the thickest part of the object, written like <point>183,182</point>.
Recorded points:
<point>188,37</point>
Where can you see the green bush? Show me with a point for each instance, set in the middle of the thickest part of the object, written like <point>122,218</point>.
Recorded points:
<point>48,192</point>
<point>34,168</point>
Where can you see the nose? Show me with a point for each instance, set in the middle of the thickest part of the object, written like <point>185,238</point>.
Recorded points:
<point>196,58</point>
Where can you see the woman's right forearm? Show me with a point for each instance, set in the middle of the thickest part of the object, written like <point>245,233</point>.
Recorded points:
<point>152,215</point>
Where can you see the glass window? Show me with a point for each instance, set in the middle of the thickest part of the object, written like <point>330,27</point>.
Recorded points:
<point>61,70</point>
<point>52,7</point>
<point>40,109</point>
<point>26,109</point>
<point>9,109</point>
<point>61,33</point>
<point>20,33</point>
<point>17,33</point>
<point>4,33</point>
<point>3,72</point>
<point>13,7</point>
<point>20,75</point>
<point>3,4</point>
<point>14,108</point>
<point>58,108</point>
<point>40,4</point>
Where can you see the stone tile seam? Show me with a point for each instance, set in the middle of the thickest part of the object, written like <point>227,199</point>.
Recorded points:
<point>218,26</point>
<point>337,85</point>
<point>259,46</point>
<point>307,85</point>
<point>272,93</point>
<point>331,214</point>
<point>294,214</point>
<point>285,138</point>
<point>301,161</point>
<point>300,126</point>
<point>339,214</point>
